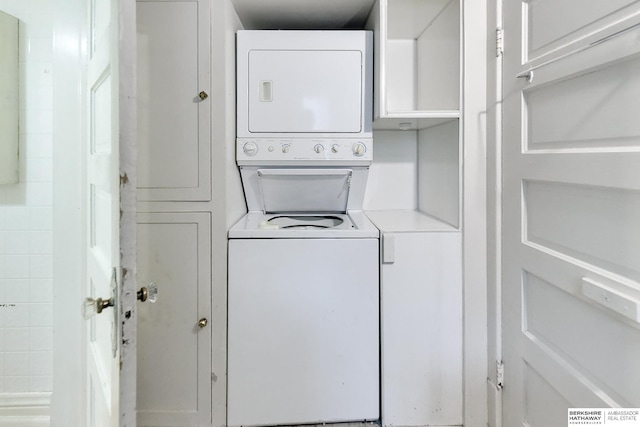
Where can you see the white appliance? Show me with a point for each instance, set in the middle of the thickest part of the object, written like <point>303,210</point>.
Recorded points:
<point>303,302</point>
<point>304,84</point>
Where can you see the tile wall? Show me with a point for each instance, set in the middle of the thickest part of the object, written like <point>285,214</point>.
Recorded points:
<point>26,336</point>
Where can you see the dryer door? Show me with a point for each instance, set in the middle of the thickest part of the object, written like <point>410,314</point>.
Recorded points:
<point>298,91</point>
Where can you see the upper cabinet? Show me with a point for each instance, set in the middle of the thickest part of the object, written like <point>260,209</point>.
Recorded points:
<point>417,51</point>
<point>174,111</point>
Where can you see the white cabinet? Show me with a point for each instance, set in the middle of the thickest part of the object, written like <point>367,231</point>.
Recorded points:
<point>174,107</point>
<point>174,212</point>
<point>417,65</point>
<point>420,320</point>
<point>174,348</point>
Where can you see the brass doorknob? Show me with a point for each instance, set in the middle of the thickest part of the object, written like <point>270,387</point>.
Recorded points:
<point>203,95</point>
<point>149,292</point>
<point>203,322</point>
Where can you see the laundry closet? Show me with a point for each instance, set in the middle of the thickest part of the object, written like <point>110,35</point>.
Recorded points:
<point>424,194</point>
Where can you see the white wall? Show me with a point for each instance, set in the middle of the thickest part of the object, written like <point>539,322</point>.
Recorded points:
<point>393,178</point>
<point>26,337</point>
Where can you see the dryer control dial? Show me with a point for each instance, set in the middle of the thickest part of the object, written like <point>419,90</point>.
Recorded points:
<point>335,148</point>
<point>359,149</point>
<point>319,148</point>
<point>250,148</point>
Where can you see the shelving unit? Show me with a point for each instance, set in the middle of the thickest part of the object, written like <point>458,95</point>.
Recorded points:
<point>417,74</point>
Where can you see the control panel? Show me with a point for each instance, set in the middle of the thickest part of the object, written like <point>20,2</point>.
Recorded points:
<point>304,151</point>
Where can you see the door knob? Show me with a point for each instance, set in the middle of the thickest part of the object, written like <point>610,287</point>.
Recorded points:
<point>203,322</point>
<point>92,306</point>
<point>203,95</point>
<point>149,292</point>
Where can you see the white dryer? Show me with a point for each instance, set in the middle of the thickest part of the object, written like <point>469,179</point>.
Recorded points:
<point>303,297</point>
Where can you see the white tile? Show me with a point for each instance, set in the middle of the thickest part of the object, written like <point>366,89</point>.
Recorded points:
<point>41,290</point>
<point>40,218</point>
<point>36,120</point>
<point>37,24</point>
<point>40,194</point>
<point>16,339</point>
<point>16,266</point>
<point>38,145</point>
<point>41,339</point>
<point>40,170</point>
<point>16,315</point>
<point>41,266</point>
<point>16,384</point>
<point>16,218</point>
<point>40,6</point>
<point>16,363</point>
<point>16,290</point>
<point>17,8</point>
<point>40,363</point>
<point>40,383</point>
<point>15,242</point>
<point>41,314</point>
<point>36,49</point>
<point>40,242</point>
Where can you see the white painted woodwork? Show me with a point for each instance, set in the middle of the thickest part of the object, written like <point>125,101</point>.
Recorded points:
<point>9,99</point>
<point>571,199</point>
<point>173,42</point>
<point>103,215</point>
<point>417,60</point>
<point>548,24</point>
<point>421,320</point>
<point>174,353</point>
<point>439,172</point>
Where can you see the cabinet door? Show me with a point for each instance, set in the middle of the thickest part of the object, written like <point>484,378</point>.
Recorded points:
<point>174,351</point>
<point>421,329</point>
<point>173,118</point>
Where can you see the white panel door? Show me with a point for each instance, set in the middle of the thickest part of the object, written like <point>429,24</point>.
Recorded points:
<point>571,209</point>
<point>174,335</point>
<point>110,218</point>
<point>305,91</point>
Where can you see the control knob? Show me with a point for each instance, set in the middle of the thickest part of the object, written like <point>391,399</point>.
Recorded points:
<point>250,149</point>
<point>359,149</point>
<point>285,148</point>
<point>335,148</point>
<point>319,148</point>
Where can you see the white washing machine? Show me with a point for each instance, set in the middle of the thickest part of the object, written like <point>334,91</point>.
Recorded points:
<point>303,296</point>
<point>303,328</point>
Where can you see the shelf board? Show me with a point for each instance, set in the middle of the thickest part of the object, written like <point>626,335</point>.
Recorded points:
<point>412,120</point>
<point>407,221</point>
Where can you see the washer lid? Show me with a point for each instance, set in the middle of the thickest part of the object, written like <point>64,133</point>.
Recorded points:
<point>304,190</point>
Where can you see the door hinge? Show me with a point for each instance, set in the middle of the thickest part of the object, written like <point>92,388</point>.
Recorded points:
<point>499,374</point>
<point>499,41</point>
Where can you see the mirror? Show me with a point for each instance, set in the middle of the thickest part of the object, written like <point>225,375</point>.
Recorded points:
<point>8,99</point>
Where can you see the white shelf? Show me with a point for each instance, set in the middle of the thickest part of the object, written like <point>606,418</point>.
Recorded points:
<point>413,120</point>
<point>407,221</point>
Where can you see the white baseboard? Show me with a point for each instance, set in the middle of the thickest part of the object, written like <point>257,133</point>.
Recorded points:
<point>25,409</point>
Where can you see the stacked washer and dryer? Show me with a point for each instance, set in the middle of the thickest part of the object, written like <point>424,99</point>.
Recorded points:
<point>303,307</point>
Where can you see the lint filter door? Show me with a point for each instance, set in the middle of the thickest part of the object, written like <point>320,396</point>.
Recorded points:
<point>304,190</point>
<point>305,91</point>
